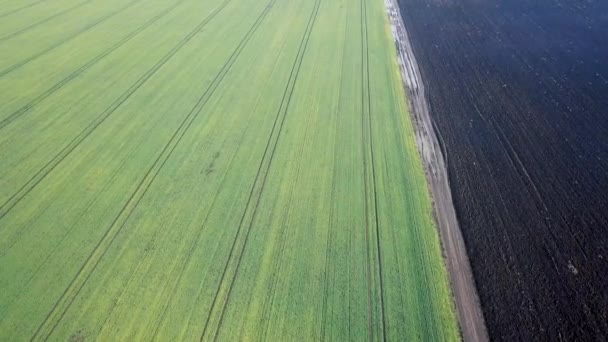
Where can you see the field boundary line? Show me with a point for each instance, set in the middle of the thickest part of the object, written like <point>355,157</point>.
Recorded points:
<point>370,174</point>
<point>31,26</point>
<point>260,179</point>
<point>59,157</point>
<point>16,114</point>
<point>121,219</point>
<point>433,154</point>
<point>21,8</point>
<point>65,40</point>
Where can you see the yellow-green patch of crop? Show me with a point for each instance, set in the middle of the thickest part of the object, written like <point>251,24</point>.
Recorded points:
<point>250,176</point>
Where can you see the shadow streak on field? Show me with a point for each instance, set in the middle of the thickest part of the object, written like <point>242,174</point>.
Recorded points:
<point>518,91</point>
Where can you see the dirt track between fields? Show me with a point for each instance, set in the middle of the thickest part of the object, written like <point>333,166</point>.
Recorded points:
<point>468,307</point>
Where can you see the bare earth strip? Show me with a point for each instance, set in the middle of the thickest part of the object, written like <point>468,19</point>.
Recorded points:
<point>468,307</point>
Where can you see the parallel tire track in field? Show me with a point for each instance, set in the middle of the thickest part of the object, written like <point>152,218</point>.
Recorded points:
<point>260,180</point>
<point>365,181</point>
<point>65,40</point>
<point>180,267</point>
<point>59,157</point>
<point>368,165</point>
<point>21,8</point>
<point>16,114</point>
<point>56,248</point>
<point>82,276</point>
<point>31,26</point>
<point>330,242</point>
<point>268,306</point>
<point>159,235</point>
<point>178,270</point>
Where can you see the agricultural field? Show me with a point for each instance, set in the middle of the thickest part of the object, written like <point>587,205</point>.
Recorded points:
<point>519,93</point>
<point>211,170</point>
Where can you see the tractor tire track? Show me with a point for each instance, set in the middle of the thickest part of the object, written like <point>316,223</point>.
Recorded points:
<point>50,166</point>
<point>365,186</point>
<point>178,274</point>
<point>330,242</point>
<point>268,307</point>
<point>260,179</point>
<point>21,8</point>
<point>16,114</point>
<point>72,291</point>
<point>6,247</point>
<point>65,40</point>
<point>63,238</point>
<point>31,26</point>
<point>178,271</point>
<point>330,232</point>
<point>159,235</point>
<point>370,166</point>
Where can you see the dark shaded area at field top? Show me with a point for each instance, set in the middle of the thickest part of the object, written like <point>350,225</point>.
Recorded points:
<point>519,92</point>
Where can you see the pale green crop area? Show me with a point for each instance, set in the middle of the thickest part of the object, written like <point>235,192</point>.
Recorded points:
<point>211,170</point>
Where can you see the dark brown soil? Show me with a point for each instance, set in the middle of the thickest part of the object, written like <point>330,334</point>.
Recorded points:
<point>518,91</point>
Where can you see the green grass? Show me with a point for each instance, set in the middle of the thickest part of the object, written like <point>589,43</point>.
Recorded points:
<point>226,169</point>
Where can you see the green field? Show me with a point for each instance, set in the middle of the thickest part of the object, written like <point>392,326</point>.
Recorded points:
<point>211,169</point>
